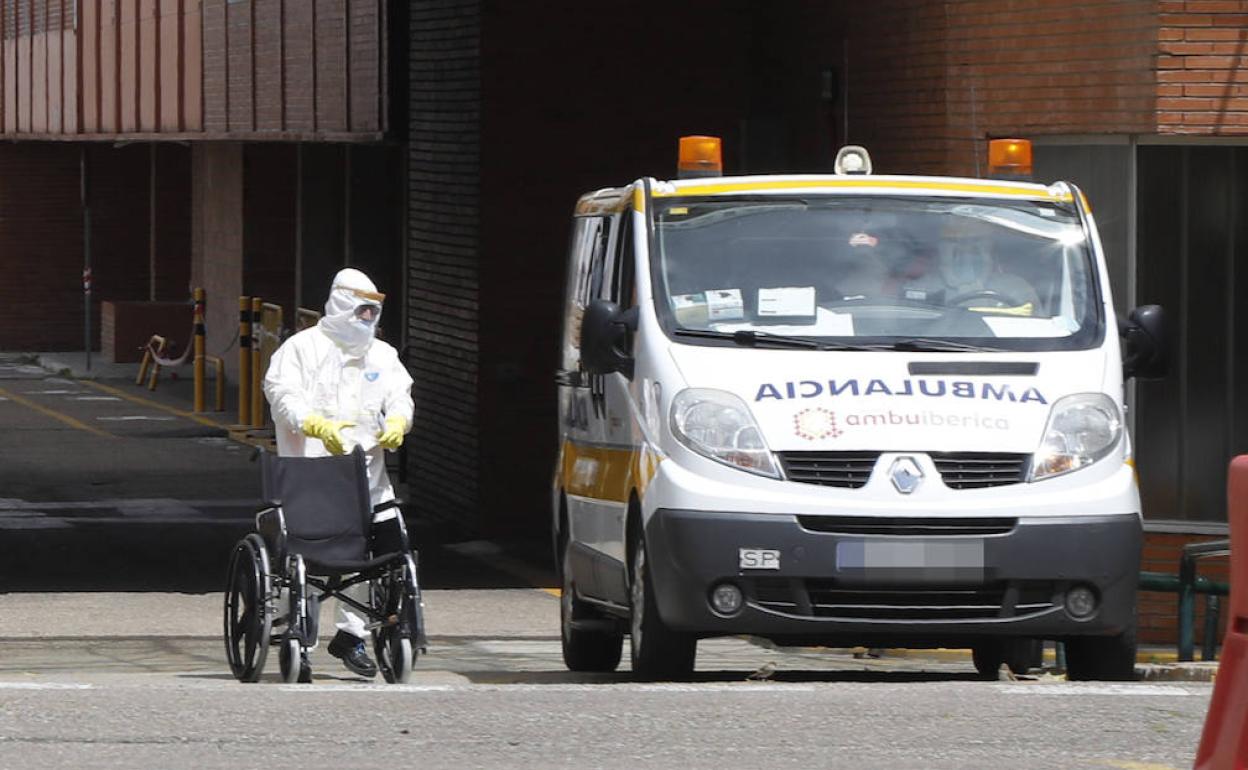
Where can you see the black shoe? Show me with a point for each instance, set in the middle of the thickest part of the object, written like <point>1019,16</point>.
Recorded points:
<point>305,669</point>
<point>350,650</point>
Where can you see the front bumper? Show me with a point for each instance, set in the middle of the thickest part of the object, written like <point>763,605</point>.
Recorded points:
<point>835,585</point>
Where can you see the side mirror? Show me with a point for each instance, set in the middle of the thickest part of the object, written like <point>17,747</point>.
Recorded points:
<point>605,334</point>
<point>1144,338</point>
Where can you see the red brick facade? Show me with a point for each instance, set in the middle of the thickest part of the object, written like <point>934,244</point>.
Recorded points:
<point>1202,83</point>
<point>41,237</point>
<point>928,82</point>
<point>1158,612</point>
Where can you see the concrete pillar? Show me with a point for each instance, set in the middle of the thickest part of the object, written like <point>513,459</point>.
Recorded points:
<point>217,239</point>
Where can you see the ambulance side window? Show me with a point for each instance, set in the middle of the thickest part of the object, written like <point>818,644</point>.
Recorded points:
<point>593,242</point>
<point>622,278</point>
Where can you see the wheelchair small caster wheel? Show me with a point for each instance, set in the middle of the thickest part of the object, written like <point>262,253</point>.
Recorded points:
<point>294,662</point>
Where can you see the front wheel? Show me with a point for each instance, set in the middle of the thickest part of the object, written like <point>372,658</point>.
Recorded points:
<point>1105,658</point>
<point>294,662</point>
<point>395,656</point>
<point>590,644</point>
<point>658,652</point>
<point>397,595</point>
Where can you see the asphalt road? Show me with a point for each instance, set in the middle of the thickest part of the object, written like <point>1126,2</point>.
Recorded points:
<point>147,686</point>
<point>114,534</point>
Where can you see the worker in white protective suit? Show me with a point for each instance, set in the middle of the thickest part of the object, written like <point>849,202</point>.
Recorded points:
<point>334,387</point>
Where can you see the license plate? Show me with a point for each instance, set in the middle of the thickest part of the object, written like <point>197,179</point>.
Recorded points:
<point>758,558</point>
<point>939,556</point>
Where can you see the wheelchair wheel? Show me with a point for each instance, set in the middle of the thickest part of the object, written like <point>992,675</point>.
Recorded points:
<point>399,597</point>
<point>248,621</point>
<point>295,666</point>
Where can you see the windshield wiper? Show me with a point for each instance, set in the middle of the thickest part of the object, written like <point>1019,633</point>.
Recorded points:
<point>924,344</point>
<point>750,338</point>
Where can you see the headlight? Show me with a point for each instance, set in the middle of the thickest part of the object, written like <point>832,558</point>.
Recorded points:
<point>1082,429</point>
<point>718,425</point>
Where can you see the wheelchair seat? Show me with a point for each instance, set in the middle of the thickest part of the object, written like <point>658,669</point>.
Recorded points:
<point>316,538</point>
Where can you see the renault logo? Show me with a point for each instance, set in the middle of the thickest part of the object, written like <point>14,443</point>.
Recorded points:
<point>906,474</point>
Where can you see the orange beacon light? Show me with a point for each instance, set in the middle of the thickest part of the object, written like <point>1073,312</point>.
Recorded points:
<point>1009,158</point>
<point>700,156</point>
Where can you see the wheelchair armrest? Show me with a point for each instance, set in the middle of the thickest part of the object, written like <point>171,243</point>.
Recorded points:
<point>271,525</point>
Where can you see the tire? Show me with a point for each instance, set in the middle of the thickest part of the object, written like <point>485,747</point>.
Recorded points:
<point>1103,658</point>
<point>584,649</point>
<point>396,656</point>
<point>247,617</point>
<point>658,652</point>
<point>1020,655</point>
<point>294,665</point>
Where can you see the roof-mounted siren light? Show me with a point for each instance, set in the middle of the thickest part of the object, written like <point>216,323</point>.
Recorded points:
<point>1009,159</point>
<point>700,156</point>
<point>852,159</point>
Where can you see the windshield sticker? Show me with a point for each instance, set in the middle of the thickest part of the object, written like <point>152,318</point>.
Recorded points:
<point>818,423</point>
<point>932,388</point>
<point>725,305</point>
<point>787,302</point>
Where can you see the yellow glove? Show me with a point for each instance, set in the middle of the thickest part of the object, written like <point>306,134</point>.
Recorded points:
<point>391,436</point>
<point>328,431</point>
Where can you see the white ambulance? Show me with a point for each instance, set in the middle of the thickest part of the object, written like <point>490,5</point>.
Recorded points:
<point>846,410</point>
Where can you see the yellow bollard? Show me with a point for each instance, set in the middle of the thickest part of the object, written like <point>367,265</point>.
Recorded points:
<point>161,347</point>
<point>147,359</point>
<point>244,360</point>
<point>199,350</point>
<point>257,392</point>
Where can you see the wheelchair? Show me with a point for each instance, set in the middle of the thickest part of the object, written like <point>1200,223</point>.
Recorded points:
<point>314,538</point>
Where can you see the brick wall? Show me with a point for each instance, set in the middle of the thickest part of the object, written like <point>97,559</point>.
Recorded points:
<point>40,248</point>
<point>41,239</point>
<point>443,167</point>
<point>924,96</point>
<point>1202,83</point>
<point>1158,612</point>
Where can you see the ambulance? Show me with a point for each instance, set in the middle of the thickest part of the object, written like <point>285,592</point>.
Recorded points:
<point>846,410</point>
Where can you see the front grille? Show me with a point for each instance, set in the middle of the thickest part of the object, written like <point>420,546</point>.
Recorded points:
<point>921,526</point>
<point>828,599</point>
<point>830,469</point>
<point>978,470</point>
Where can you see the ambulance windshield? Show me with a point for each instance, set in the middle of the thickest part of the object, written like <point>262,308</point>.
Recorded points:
<point>1013,275</point>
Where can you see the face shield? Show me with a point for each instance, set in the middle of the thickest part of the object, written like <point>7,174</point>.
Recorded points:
<point>352,311</point>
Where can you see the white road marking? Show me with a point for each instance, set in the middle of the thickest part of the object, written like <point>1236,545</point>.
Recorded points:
<point>136,417</point>
<point>1069,689</point>
<point>95,398</point>
<point>135,503</point>
<point>719,687</point>
<point>44,686</point>
<point>54,392</point>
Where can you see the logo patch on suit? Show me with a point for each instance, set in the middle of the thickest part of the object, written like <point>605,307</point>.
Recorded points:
<point>372,376</point>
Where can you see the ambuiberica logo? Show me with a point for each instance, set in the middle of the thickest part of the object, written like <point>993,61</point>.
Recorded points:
<point>919,403</point>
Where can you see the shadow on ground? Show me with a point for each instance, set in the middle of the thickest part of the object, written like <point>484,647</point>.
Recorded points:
<point>189,558</point>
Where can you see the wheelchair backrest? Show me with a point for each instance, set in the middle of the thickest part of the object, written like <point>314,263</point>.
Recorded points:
<point>324,502</point>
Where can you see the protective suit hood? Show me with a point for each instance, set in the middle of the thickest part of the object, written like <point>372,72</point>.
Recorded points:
<point>350,290</point>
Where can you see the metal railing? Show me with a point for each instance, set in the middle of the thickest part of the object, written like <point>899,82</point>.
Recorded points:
<point>1187,583</point>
